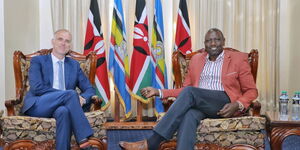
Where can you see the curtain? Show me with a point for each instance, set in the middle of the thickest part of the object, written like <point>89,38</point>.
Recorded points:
<point>71,15</point>
<point>245,24</point>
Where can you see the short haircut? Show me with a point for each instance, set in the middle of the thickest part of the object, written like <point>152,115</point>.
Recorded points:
<point>62,30</point>
<point>215,30</point>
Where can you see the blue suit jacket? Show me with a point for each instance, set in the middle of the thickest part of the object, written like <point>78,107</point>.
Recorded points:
<point>41,79</point>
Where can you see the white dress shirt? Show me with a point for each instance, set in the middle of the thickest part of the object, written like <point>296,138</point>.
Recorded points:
<point>55,70</point>
<point>211,76</point>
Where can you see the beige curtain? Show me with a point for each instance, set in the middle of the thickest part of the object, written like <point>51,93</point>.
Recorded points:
<point>246,25</point>
<point>71,15</point>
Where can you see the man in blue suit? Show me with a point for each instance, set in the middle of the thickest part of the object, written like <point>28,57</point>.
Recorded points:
<point>53,79</point>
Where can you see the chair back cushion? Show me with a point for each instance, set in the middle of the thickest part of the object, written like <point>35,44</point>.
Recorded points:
<point>224,131</point>
<point>16,127</point>
<point>22,64</point>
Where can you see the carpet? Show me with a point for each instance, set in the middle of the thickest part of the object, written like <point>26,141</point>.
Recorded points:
<point>114,136</point>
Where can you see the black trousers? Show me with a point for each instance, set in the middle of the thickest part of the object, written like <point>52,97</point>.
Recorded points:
<point>191,106</point>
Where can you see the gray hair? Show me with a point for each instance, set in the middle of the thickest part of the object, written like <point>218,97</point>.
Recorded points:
<point>62,30</point>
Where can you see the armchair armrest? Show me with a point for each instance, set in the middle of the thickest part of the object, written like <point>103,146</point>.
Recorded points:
<point>10,105</point>
<point>96,102</point>
<point>256,106</point>
<point>167,102</point>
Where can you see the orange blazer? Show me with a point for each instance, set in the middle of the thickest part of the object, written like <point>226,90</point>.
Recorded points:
<point>236,77</point>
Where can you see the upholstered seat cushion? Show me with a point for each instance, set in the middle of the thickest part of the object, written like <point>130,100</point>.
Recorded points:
<point>41,129</point>
<point>229,131</point>
<point>254,138</point>
<point>232,124</point>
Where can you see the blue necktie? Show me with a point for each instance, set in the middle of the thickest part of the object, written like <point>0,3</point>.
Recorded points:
<point>61,81</point>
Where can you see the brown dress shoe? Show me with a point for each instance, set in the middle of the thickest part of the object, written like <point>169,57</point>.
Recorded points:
<point>139,145</point>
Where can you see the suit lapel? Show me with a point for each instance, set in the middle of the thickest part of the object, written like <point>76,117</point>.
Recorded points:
<point>201,62</point>
<point>49,67</point>
<point>67,71</point>
<point>226,62</point>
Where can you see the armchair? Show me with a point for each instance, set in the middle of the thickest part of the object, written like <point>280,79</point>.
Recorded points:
<point>225,133</point>
<point>19,131</point>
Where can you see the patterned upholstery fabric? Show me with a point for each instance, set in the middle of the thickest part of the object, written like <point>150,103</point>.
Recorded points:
<point>41,129</point>
<point>254,138</point>
<point>24,69</point>
<point>231,124</point>
<point>184,64</point>
<point>85,66</point>
<point>25,64</point>
<point>228,131</point>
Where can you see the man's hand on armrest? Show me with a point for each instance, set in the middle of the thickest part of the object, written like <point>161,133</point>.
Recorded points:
<point>149,92</point>
<point>82,100</point>
<point>228,110</point>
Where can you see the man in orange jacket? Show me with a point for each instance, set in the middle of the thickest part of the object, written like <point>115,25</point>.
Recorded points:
<point>218,84</point>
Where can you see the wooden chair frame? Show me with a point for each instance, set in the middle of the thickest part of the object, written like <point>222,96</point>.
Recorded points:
<point>21,88</point>
<point>253,110</point>
<point>139,124</point>
<point>179,79</point>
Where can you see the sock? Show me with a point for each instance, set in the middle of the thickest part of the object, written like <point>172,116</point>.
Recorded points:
<point>154,141</point>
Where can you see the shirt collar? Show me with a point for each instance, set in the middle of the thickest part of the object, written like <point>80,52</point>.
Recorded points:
<point>220,57</point>
<point>55,59</point>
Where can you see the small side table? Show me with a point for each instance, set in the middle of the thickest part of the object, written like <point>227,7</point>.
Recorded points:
<point>278,129</point>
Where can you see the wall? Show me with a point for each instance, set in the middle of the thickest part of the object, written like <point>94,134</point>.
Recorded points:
<point>2,56</point>
<point>289,53</point>
<point>21,21</point>
<point>294,37</point>
<point>45,21</point>
<point>283,46</point>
